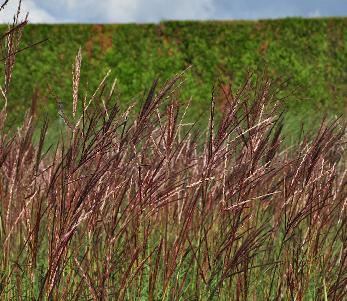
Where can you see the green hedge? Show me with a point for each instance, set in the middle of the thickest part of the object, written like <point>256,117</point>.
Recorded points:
<point>313,52</point>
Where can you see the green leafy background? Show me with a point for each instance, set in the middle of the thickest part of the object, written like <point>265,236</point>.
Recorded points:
<point>311,52</point>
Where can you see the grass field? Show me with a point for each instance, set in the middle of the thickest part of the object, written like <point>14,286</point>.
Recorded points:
<point>140,203</point>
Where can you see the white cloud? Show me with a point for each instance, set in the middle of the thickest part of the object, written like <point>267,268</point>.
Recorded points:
<point>177,10</point>
<point>314,14</point>
<point>117,10</point>
<point>36,14</point>
<point>112,11</point>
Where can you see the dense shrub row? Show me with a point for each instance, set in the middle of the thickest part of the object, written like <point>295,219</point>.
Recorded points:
<point>312,52</point>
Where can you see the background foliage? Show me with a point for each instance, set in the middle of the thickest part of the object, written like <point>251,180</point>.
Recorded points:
<point>311,52</point>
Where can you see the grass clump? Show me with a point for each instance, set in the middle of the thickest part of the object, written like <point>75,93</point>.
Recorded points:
<point>139,205</point>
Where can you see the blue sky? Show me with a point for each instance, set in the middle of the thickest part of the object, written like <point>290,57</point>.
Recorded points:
<point>126,11</point>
